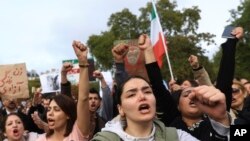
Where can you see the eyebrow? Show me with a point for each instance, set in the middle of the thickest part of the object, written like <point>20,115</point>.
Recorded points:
<point>135,89</point>
<point>186,92</point>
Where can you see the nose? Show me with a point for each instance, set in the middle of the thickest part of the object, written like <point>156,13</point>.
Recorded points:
<point>49,112</point>
<point>14,124</point>
<point>141,96</point>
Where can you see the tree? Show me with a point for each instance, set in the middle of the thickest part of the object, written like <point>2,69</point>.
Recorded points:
<point>180,27</point>
<point>33,83</point>
<point>240,17</point>
<point>100,47</point>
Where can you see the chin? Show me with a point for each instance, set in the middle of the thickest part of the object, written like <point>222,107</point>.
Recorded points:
<point>147,118</point>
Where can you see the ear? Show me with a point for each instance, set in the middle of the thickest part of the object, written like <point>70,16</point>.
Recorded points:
<point>245,94</point>
<point>120,110</point>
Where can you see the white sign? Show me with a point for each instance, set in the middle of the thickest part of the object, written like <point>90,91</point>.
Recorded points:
<point>50,82</point>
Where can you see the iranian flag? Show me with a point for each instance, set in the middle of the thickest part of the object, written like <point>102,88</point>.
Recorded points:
<point>157,37</point>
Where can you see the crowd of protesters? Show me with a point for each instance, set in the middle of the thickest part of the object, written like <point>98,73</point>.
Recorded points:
<point>136,108</point>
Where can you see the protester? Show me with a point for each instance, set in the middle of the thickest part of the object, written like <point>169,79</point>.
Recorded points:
<point>10,106</point>
<point>137,109</point>
<point>65,119</point>
<point>227,65</point>
<point>100,113</point>
<point>191,112</point>
<point>240,105</point>
<point>13,129</point>
<point>105,108</point>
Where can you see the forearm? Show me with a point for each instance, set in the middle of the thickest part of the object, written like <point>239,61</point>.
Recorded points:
<point>149,56</point>
<point>202,76</point>
<point>106,110</point>
<point>165,102</point>
<point>226,70</point>
<point>120,74</point>
<point>103,83</point>
<point>83,122</point>
<point>66,88</point>
<point>64,79</point>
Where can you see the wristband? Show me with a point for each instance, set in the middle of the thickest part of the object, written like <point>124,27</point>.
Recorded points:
<point>84,65</point>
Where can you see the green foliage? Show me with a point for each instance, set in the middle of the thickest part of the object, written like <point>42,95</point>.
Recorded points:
<point>33,83</point>
<point>124,25</point>
<point>100,47</point>
<point>240,17</point>
<point>180,27</point>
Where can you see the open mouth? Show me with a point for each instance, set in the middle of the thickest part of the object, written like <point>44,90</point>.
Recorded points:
<point>16,132</point>
<point>51,121</point>
<point>192,103</point>
<point>92,105</point>
<point>233,100</point>
<point>144,108</point>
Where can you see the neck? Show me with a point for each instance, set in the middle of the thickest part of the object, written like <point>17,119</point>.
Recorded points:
<point>57,136</point>
<point>11,110</point>
<point>139,129</point>
<point>190,121</point>
<point>239,108</point>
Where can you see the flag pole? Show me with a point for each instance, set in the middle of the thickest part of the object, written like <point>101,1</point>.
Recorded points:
<point>164,42</point>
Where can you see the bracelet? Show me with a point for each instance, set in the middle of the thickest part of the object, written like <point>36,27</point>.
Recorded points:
<point>84,65</point>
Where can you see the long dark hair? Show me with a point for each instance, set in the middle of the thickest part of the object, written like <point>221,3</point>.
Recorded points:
<point>68,106</point>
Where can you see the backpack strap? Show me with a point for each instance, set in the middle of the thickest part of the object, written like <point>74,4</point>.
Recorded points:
<point>171,134</point>
<point>106,136</point>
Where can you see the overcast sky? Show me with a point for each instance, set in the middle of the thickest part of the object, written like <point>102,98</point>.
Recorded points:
<point>40,33</point>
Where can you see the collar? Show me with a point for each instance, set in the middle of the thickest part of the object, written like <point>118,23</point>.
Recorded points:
<point>8,112</point>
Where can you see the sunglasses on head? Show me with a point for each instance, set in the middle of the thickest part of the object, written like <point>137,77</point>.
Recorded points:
<point>235,90</point>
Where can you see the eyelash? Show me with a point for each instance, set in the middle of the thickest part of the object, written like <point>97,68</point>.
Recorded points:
<point>54,109</point>
<point>18,122</point>
<point>131,95</point>
<point>148,92</point>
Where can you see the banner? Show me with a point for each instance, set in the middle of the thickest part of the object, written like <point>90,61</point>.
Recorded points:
<point>14,81</point>
<point>134,60</point>
<point>73,75</point>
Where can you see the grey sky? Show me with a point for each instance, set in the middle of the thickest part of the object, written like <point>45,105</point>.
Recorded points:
<point>40,33</point>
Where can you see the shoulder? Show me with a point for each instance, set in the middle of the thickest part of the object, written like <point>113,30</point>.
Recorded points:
<point>42,137</point>
<point>184,136</point>
<point>33,136</point>
<point>106,136</point>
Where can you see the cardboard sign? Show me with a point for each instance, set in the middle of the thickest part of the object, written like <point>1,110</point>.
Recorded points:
<point>14,81</point>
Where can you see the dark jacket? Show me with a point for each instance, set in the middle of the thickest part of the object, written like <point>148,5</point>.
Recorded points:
<point>169,113</point>
<point>202,131</point>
